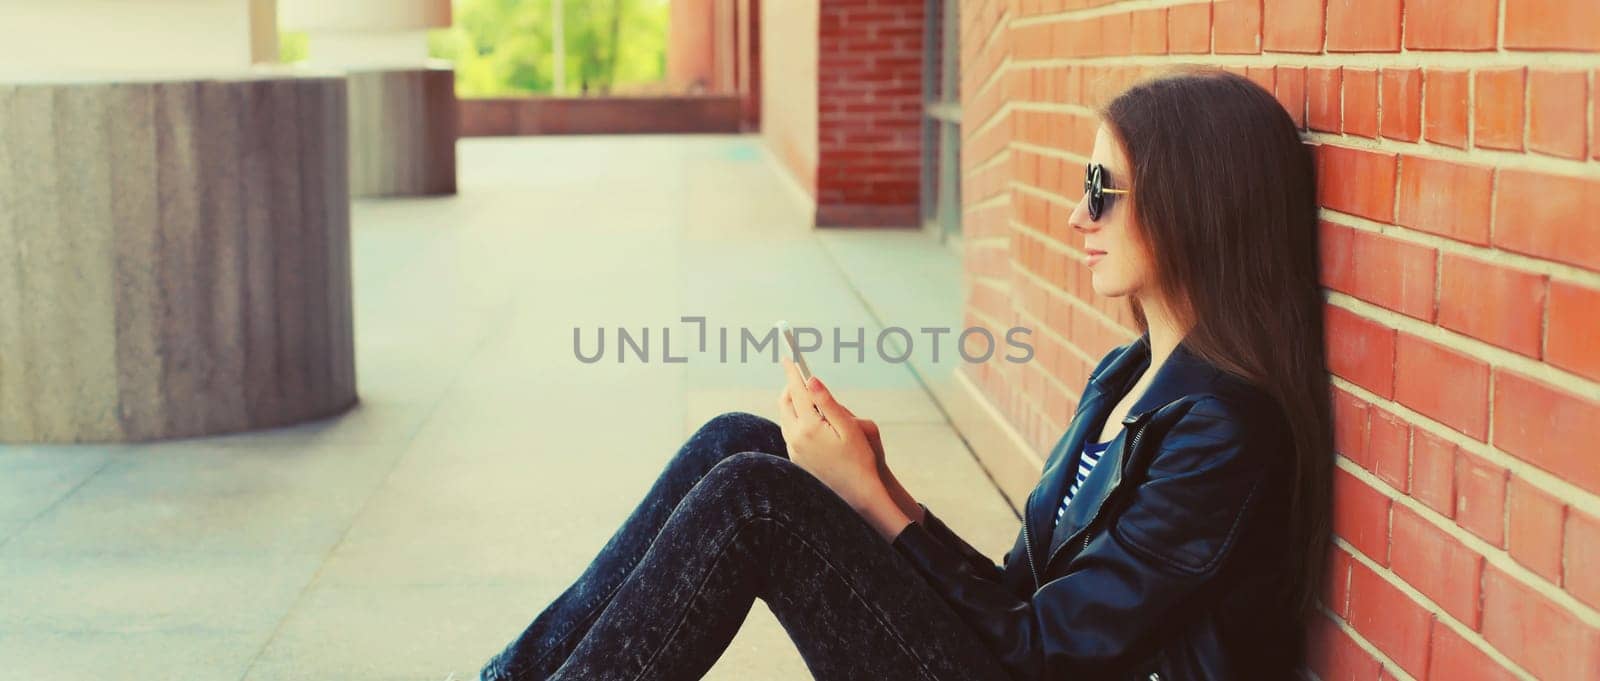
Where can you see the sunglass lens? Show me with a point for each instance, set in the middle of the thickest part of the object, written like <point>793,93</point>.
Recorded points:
<point>1092,193</point>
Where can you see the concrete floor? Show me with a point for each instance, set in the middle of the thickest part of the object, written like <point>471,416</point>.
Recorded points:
<point>415,536</point>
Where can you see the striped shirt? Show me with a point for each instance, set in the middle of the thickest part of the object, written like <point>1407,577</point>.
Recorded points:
<point>1091,456</point>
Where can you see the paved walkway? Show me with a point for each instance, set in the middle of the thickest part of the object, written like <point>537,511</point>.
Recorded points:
<point>415,536</point>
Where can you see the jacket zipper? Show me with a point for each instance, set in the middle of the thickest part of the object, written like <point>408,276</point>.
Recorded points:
<point>1088,530</point>
<point>1027,540</point>
<point>1027,547</point>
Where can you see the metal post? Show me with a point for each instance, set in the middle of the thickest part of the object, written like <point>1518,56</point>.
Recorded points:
<point>930,127</point>
<point>950,144</point>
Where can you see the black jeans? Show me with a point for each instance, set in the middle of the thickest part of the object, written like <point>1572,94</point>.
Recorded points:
<point>729,520</point>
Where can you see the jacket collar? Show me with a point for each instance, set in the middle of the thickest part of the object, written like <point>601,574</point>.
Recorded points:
<point>1183,373</point>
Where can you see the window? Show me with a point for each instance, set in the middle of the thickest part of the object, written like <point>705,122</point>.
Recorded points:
<point>941,122</point>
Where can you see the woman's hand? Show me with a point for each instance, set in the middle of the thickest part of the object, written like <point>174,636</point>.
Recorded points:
<point>908,504</point>
<point>824,438</point>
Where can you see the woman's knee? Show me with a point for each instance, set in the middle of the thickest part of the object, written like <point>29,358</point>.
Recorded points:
<point>754,475</point>
<point>732,432</point>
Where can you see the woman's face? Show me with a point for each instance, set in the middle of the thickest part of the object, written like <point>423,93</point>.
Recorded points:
<point>1117,257</point>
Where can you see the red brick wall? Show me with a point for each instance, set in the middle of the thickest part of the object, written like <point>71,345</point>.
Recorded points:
<point>600,115</point>
<point>1460,185</point>
<point>869,99</point>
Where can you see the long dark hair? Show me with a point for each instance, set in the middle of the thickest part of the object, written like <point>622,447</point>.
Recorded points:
<point>1225,201</point>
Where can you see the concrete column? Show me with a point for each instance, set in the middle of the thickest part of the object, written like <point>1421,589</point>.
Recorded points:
<point>174,256</point>
<point>174,224</point>
<point>403,117</point>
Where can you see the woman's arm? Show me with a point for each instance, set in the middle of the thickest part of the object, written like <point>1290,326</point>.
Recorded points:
<point>903,499</point>
<point>919,513</point>
<point>1170,541</point>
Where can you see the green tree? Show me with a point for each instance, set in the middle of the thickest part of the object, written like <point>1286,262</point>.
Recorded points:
<point>505,47</point>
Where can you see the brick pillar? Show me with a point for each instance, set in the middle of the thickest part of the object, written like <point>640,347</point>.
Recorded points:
<point>869,97</point>
<point>691,42</point>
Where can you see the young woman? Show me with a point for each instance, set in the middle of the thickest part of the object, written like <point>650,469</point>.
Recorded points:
<point>1176,531</point>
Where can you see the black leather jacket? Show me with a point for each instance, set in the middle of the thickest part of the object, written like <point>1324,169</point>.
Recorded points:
<point>1168,563</point>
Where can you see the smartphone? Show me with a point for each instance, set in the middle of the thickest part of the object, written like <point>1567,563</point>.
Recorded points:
<point>799,360</point>
<point>794,350</point>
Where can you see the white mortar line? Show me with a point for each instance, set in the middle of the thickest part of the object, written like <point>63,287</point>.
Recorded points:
<point>1361,642</point>
<point>1571,274</point>
<point>988,242</point>
<point>1056,107</point>
<point>1006,426</point>
<point>1494,355</point>
<point>1001,156</point>
<point>1477,156</point>
<point>1001,153</point>
<point>1571,59</point>
<point>1573,495</point>
<point>1500,26</point>
<point>1076,393</point>
<point>1594,103</point>
<point>1555,270</point>
<point>1494,158</point>
<point>1103,10</point>
<point>1000,199</point>
<point>999,114</point>
<point>1492,555</point>
<point>1441,616</point>
<point>1578,498</point>
<point>1047,196</point>
<point>997,74</point>
<point>1080,303</point>
<point>1064,341</point>
<point>1002,24</point>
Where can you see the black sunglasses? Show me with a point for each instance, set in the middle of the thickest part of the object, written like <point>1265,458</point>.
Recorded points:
<point>1095,190</point>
